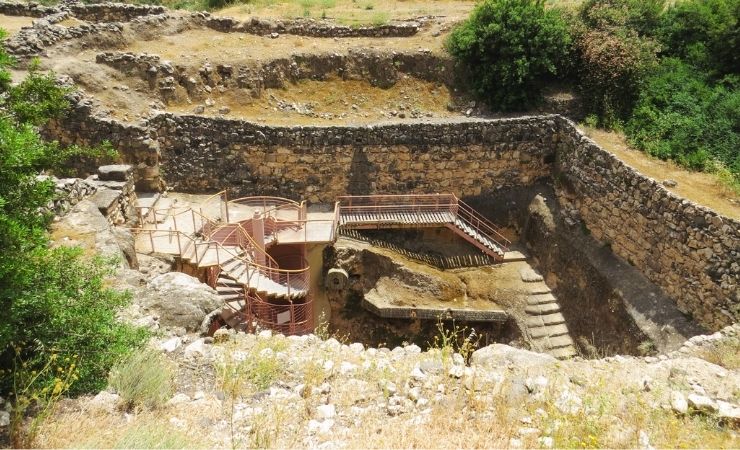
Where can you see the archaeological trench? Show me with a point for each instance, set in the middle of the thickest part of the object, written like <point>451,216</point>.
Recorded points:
<point>603,259</point>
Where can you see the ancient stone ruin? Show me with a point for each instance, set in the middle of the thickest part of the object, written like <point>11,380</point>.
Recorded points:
<point>382,221</point>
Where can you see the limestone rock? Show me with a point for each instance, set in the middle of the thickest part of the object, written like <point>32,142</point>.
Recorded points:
<point>500,354</point>
<point>179,300</point>
<point>679,403</point>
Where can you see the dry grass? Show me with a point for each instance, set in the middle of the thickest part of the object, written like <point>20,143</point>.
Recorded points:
<point>350,12</point>
<point>100,430</point>
<point>702,188</point>
<point>725,353</point>
<point>143,380</point>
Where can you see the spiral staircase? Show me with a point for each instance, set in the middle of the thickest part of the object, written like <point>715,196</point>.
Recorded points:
<point>252,250</point>
<point>230,243</point>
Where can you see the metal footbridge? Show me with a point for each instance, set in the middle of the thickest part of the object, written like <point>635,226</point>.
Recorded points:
<point>423,211</point>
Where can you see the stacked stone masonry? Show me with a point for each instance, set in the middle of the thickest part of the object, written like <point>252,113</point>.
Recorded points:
<point>177,83</point>
<point>690,251</point>
<point>111,190</point>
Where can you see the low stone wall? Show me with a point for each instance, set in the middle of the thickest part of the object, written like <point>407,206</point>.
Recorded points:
<point>82,126</point>
<point>113,12</point>
<point>307,27</point>
<point>690,251</point>
<point>68,193</point>
<point>30,9</point>
<point>96,12</point>
<point>467,157</point>
<point>34,40</point>
<point>179,83</point>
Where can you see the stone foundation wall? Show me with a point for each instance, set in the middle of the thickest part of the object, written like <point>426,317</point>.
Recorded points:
<point>306,27</point>
<point>320,163</point>
<point>690,251</point>
<point>81,126</point>
<point>113,12</point>
<point>178,83</point>
<point>111,190</point>
<point>30,9</point>
<point>96,12</point>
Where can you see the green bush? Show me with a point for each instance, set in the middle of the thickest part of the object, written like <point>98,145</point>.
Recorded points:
<point>143,380</point>
<point>611,70</point>
<point>55,301</point>
<point>703,33</point>
<point>641,16</point>
<point>681,116</point>
<point>509,49</point>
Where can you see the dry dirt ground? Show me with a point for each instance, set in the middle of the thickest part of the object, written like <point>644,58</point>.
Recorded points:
<point>702,188</point>
<point>11,24</point>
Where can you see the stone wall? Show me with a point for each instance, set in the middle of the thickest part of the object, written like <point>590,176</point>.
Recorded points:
<point>467,157</point>
<point>82,126</point>
<point>96,12</point>
<point>178,83</point>
<point>113,12</point>
<point>111,190</point>
<point>30,9</point>
<point>690,251</point>
<point>307,27</point>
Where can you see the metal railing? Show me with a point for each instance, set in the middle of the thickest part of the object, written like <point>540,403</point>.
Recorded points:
<point>287,318</point>
<point>419,209</point>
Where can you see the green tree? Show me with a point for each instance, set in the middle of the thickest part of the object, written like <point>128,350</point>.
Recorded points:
<point>703,33</point>
<point>641,16</point>
<point>509,49</point>
<point>54,301</point>
<point>681,116</point>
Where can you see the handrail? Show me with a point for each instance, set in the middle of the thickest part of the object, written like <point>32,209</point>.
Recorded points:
<point>243,234</point>
<point>205,202</point>
<point>481,222</point>
<point>424,203</point>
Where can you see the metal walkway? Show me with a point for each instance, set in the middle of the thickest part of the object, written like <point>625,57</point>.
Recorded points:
<point>420,211</point>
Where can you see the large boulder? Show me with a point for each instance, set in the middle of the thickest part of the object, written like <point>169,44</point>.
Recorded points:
<point>86,227</point>
<point>498,355</point>
<point>179,300</point>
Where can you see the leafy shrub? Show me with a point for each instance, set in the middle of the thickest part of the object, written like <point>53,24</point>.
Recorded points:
<point>55,302</point>
<point>703,33</point>
<point>509,48</point>
<point>641,16</point>
<point>143,380</point>
<point>58,304</point>
<point>680,116</point>
<point>612,67</point>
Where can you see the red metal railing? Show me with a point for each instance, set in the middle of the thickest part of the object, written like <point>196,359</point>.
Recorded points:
<point>287,318</point>
<point>419,209</point>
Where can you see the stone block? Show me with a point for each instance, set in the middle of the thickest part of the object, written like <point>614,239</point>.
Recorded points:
<point>115,172</point>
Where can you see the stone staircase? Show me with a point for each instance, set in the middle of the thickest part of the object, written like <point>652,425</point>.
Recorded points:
<point>545,325</point>
<point>481,240</point>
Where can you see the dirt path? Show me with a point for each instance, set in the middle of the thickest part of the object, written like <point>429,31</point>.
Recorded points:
<point>702,188</point>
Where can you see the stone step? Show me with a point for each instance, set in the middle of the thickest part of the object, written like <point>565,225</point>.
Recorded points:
<point>538,299</point>
<point>546,308</point>
<point>552,330</point>
<point>563,352</point>
<point>552,319</point>
<point>537,288</point>
<point>554,342</point>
